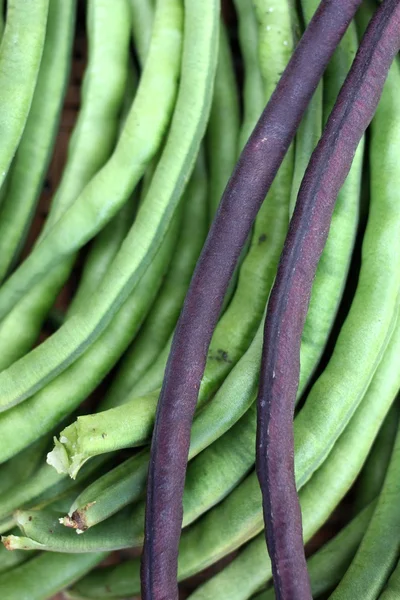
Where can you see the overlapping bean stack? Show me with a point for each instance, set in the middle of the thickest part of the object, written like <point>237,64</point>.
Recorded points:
<point>226,229</point>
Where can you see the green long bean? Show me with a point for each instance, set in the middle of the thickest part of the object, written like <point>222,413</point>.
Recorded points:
<point>151,224</point>
<point>91,144</point>
<point>35,149</point>
<point>19,67</point>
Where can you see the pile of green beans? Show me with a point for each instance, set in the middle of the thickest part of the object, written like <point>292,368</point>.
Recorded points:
<point>171,92</point>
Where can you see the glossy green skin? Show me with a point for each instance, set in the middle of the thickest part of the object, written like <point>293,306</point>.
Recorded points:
<point>239,517</point>
<point>372,476</point>
<point>373,313</point>
<point>223,127</point>
<point>152,222</point>
<point>36,146</point>
<point>378,551</point>
<point>91,144</point>
<point>160,323</point>
<point>19,67</point>
<point>334,263</point>
<point>328,565</point>
<point>40,413</point>
<point>142,17</point>
<point>46,574</point>
<point>112,186</point>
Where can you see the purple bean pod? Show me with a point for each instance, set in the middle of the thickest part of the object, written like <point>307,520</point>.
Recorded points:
<point>288,304</point>
<point>244,194</point>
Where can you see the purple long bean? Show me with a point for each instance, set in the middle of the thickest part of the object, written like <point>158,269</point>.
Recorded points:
<point>246,190</point>
<point>288,304</point>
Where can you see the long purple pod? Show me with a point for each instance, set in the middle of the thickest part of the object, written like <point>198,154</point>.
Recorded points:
<point>288,304</point>
<point>245,192</point>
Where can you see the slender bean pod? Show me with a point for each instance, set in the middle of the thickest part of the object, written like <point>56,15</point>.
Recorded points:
<point>138,143</point>
<point>187,129</point>
<point>204,300</point>
<point>142,15</point>
<point>373,474</point>
<point>45,575</point>
<point>328,565</point>
<point>378,551</point>
<point>91,144</point>
<point>288,304</point>
<point>159,325</point>
<point>392,589</point>
<point>223,127</point>
<point>19,67</point>
<point>35,149</point>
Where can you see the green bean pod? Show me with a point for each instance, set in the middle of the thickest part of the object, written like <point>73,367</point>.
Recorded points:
<point>110,493</point>
<point>138,143</point>
<point>310,128</point>
<point>42,530</point>
<point>328,565</point>
<point>223,127</point>
<point>10,560</point>
<point>372,476</point>
<point>159,325</point>
<point>142,17</point>
<point>35,149</point>
<point>42,488</point>
<point>239,517</point>
<point>91,143</point>
<point>19,67</point>
<point>43,576</point>
<point>23,465</point>
<point>378,551</point>
<point>392,589</point>
<point>60,397</point>
<point>102,252</point>
<point>335,260</point>
<point>373,313</point>
<point>152,222</point>
<point>208,478</point>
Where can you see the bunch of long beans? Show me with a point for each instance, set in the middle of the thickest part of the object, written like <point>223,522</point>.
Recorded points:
<point>238,300</point>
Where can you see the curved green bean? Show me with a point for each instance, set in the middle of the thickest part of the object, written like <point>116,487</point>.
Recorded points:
<point>239,517</point>
<point>60,397</point>
<point>159,325</point>
<point>373,313</point>
<point>328,565</point>
<point>335,260</point>
<point>378,551</point>
<point>46,574</point>
<point>138,143</point>
<point>19,67</point>
<point>42,530</point>
<point>91,143</point>
<point>372,476</point>
<point>34,152</point>
<point>142,16</point>
<point>151,224</point>
<point>210,477</point>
